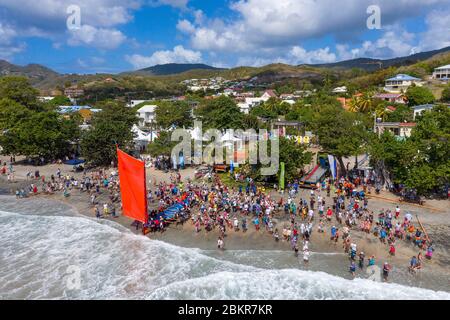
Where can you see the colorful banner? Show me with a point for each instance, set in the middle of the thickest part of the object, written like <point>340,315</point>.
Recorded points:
<point>333,167</point>
<point>282,169</point>
<point>132,187</point>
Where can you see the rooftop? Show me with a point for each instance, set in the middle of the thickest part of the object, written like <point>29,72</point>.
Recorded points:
<point>423,106</point>
<point>388,95</point>
<point>396,124</point>
<point>147,108</point>
<point>403,77</point>
<point>443,67</point>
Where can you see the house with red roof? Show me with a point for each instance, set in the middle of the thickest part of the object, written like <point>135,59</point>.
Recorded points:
<point>392,97</point>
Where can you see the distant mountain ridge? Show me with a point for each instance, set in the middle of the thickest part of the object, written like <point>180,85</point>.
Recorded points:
<point>45,78</point>
<point>370,64</point>
<point>172,68</point>
<point>35,72</point>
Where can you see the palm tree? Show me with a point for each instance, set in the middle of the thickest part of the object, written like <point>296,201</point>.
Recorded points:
<point>353,104</point>
<point>365,102</point>
<point>381,112</point>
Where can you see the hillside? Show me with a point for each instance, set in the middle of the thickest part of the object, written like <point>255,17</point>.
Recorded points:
<point>171,68</point>
<point>369,64</point>
<point>35,72</point>
<point>170,75</point>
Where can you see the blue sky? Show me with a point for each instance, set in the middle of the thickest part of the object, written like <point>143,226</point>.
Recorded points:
<point>121,35</point>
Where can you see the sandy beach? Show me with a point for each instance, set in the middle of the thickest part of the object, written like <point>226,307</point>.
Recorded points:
<point>435,216</point>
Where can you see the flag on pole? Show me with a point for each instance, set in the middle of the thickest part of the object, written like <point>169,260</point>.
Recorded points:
<point>282,172</point>
<point>132,187</point>
<point>333,167</point>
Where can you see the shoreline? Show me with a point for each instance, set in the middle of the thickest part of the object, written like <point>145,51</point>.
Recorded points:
<point>185,236</point>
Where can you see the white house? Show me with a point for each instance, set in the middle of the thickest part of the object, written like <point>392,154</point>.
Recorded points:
<point>251,102</point>
<point>392,97</point>
<point>442,73</point>
<point>340,90</point>
<point>401,83</point>
<point>45,99</point>
<point>400,130</point>
<point>146,115</point>
<point>134,103</point>
<point>289,101</point>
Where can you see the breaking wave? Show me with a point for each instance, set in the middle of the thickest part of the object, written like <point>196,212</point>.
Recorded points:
<point>40,253</point>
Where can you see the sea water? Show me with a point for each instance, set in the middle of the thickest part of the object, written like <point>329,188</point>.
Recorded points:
<point>48,251</point>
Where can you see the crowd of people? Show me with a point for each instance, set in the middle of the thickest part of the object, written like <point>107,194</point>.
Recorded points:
<point>216,206</point>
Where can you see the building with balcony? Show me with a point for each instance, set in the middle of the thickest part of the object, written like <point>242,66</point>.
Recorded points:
<point>146,115</point>
<point>400,83</point>
<point>442,73</point>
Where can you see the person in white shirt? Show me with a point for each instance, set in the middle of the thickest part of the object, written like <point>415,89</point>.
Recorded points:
<point>306,256</point>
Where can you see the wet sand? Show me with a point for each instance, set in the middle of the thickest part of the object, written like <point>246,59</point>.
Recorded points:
<point>436,222</point>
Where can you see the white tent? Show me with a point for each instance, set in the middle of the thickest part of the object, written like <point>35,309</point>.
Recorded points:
<point>143,137</point>
<point>229,136</point>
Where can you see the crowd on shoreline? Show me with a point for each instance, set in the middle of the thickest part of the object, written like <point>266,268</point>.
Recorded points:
<point>216,205</point>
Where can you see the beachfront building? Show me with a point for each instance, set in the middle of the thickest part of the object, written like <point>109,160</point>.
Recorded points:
<point>392,97</point>
<point>442,73</point>
<point>146,115</point>
<point>251,102</point>
<point>400,83</point>
<point>400,130</point>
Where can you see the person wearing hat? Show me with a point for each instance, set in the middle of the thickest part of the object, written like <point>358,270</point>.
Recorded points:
<point>361,259</point>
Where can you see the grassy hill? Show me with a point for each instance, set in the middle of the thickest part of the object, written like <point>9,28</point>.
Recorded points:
<point>170,69</point>
<point>375,64</point>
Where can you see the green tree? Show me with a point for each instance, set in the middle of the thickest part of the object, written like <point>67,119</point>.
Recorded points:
<point>340,133</point>
<point>402,113</point>
<point>173,114</point>
<point>419,95</point>
<point>162,146</point>
<point>40,134</point>
<point>58,101</point>
<point>294,156</point>
<point>19,90</point>
<point>446,94</point>
<point>111,126</point>
<point>220,113</point>
<point>11,113</point>
<point>421,162</point>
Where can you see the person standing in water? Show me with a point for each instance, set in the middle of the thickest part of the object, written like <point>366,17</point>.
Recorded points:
<point>361,259</point>
<point>220,243</point>
<point>353,268</point>
<point>306,256</point>
<point>386,269</point>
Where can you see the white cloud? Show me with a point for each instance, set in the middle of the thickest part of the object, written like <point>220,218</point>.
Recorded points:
<point>268,24</point>
<point>185,26</point>
<point>6,34</point>
<point>299,56</point>
<point>45,14</point>
<point>178,55</point>
<point>395,42</point>
<point>8,47</point>
<point>437,35</point>
<point>96,37</point>
<point>173,3</point>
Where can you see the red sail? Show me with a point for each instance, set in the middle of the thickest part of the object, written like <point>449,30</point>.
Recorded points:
<point>132,187</point>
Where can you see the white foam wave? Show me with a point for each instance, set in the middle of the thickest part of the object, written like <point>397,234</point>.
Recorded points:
<point>116,264</point>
